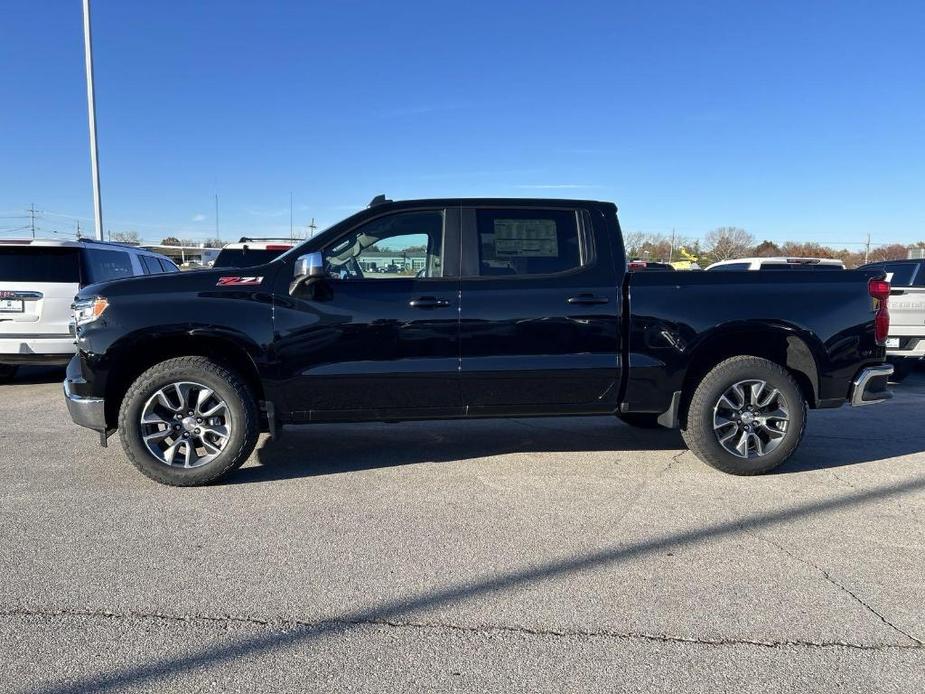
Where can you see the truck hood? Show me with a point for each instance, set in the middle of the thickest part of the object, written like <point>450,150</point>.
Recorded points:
<point>193,281</point>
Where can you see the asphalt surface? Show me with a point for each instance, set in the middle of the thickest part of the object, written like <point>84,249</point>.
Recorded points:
<point>528,555</point>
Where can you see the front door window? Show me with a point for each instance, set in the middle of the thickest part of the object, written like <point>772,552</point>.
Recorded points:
<point>400,246</point>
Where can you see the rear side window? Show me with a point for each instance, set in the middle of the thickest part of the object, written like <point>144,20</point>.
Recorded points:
<point>105,265</point>
<point>902,273</point>
<point>152,266</point>
<point>39,264</point>
<point>527,242</point>
<point>167,266</point>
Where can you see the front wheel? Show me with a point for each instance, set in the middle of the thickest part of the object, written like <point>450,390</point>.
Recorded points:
<point>746,417</point>
<point>188,421</point>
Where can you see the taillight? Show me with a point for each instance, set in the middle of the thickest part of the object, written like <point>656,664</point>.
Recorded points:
<point>880,291</point>
<point>636,265</point>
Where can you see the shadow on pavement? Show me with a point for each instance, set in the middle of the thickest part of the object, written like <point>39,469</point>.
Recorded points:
<point>35,375</point>
<point>493,583</point>
<point>324,449</point>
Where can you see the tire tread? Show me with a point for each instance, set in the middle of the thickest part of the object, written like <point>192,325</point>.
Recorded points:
<point>697,438</point>
<point>185,364</point>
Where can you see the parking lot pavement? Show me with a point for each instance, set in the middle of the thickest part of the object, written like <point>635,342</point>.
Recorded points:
<point>527,555</point>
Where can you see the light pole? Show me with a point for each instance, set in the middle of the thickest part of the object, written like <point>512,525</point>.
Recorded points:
<point>91,112</point>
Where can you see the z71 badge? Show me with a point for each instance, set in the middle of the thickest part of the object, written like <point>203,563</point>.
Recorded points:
<point>238,281</point>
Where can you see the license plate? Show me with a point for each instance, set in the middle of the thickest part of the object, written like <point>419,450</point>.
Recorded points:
<point>892,342</point>
<point>11,306</point>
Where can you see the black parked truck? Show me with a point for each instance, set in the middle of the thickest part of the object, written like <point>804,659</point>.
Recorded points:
<point>508,308</point>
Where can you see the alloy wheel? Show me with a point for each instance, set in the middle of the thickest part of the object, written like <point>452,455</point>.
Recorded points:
<point>751,419</point>
<point>185,424</point>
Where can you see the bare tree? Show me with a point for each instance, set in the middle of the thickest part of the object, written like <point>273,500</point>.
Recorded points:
<point>894,251</point>
<point>729,242</point>
<point>132,237</point>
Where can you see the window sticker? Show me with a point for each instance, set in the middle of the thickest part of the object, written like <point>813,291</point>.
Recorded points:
<point>526,238</point>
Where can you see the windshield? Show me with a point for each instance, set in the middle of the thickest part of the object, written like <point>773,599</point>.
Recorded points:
<point>245,257</point>
<point>39,264</point>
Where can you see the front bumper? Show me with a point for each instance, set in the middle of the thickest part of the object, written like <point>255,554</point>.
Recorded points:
<point>870,385</point>
<point>87,412</point>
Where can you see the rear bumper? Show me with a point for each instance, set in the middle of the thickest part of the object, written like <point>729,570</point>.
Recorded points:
<point>912,347</point>
<point>870,385</point>
<point>35,349</point>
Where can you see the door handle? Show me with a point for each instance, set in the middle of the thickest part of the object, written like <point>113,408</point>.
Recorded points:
<point>587,299</point>
<point>428,302</point>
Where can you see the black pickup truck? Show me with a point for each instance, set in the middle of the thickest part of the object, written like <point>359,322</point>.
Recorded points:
<point>462,308</point>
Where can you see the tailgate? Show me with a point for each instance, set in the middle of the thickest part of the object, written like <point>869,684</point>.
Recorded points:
<point>907,308</point>
<point>35,309</point>
<point>37,286</point>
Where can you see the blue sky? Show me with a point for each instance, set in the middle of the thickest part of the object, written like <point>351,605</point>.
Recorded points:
<point>795,120</point>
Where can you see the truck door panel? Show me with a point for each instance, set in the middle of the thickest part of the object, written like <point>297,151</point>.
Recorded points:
<point>540,313</point>
<point>379,337</point>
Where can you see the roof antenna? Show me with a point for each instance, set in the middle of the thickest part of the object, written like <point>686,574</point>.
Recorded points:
<point>379,200</point>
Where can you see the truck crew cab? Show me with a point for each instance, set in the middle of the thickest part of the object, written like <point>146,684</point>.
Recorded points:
<point>494,308</point>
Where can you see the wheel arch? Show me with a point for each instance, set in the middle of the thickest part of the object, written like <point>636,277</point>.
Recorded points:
<point>783,345</point>
<point>139,354</point>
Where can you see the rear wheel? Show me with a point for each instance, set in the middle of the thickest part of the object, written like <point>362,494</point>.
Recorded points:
<point>188,421</point>
<point>746,417</point>
<point>7,372</point>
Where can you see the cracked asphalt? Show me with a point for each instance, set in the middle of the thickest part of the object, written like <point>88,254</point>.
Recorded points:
<point>528,555</point>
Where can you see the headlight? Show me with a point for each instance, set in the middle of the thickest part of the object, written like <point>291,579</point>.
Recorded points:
<point>88,310</point>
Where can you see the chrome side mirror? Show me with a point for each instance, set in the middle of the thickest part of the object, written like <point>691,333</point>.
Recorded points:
<point>307,268</point>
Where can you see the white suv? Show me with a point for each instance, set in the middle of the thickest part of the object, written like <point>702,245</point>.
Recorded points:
<point>38,281</point>
<point>778,264</point>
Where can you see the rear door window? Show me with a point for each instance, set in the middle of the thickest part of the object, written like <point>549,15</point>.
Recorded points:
<point>104,265</point>
<point>522,242</point>
<point>167,266</point>
<point>39,264</point>
<point>152,267</point>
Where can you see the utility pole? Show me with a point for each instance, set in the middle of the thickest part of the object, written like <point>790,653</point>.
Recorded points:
<point>291,238</point>
<point>91,113</point>
<point>78,228</point>
<point>32,219</point>
<point>671,247</point>
<point>217,235</point>
<point>311,228</point>
<point>867,249</point>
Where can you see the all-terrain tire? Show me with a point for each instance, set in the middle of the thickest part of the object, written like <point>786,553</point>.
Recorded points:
<point>226,384</point>
<point>699,434</point>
